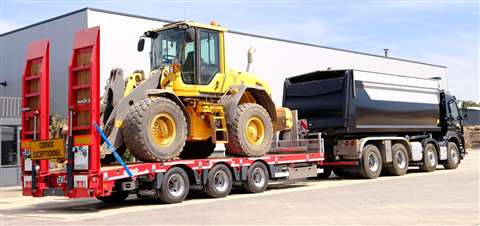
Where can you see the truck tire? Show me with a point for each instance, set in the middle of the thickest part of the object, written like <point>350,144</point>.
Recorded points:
<point>399,160</point>
<point>370,162</point>
<point>453,156</point>
<point>197,149</point>
<point>249,131</point>
<point>175,186</point>
<point>155,129</point>
<point>257,178</point>
<point>115,197</point>
<point>219,181</point>
<point>430,160</point>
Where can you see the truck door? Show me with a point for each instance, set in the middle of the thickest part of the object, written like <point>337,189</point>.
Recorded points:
<point>454,119</point>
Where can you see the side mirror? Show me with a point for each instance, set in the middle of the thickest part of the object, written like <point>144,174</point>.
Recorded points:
<point>140,45</point>
<point>190,35</point>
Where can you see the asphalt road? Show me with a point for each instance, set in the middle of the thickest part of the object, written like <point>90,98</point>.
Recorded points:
<point>444,197</point>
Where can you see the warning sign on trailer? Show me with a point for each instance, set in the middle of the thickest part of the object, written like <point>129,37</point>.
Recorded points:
<point>47,149</point>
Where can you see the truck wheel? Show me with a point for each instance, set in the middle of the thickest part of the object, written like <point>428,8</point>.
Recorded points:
<point>453,156</point>
<point>219,181</point>
<point>250,131</point>
<point>430,160</point>
<point>371,162</point>
<point>155,129</point>
<point>175,186</point>
<point>399,160</point>
<point>197,149</point>
<point>257,178</point>
<point>115,197</point>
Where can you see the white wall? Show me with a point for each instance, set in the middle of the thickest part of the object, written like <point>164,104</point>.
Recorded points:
<point>13,50</point>
<point>118,42</point>
<point>275,60</point>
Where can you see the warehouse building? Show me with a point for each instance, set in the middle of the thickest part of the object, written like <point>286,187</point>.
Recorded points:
<point>274,60</point>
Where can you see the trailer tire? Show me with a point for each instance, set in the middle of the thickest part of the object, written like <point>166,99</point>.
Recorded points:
<point>155,129</point>
<point>115,197</point>
<point>453,156</point>
<point>430,159</point>
<point>175,186</point>
<point>197,149</point>
<point>250,132</point>
<point>370,162</point>
<point>257,178</point>
<point>219,181</point>
<point>399,160</point>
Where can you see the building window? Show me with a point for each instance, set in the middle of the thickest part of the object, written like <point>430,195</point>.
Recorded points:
<point>8,135</point>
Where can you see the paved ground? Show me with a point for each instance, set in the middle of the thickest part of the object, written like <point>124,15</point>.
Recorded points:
<point>444,197</point>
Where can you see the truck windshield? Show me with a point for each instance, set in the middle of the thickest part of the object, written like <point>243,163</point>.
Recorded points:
<point>171,46</point>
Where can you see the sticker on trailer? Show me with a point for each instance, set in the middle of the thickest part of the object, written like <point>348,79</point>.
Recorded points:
<point>80,158</point>
<point>47,149</point>
<point>80,181</point>
<point>27,181</point>
<point>27,165</point>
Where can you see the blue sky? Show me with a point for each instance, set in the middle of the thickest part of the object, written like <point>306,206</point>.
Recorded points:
<point>438,32</point>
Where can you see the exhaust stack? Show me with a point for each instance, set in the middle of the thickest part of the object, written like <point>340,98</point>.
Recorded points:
<point>250,53</point>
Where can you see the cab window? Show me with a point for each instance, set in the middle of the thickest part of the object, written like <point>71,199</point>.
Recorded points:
<point>209,56</point>
<point>452,107</point>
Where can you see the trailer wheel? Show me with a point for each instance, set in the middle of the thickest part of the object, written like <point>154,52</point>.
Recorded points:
<point>453,156</point>
<point>175,186</point>
<point>399,160</point>
<point>257,178</point>
<point>115,197</point>
<point>327,171</point>
<point>371,162</point>
<point>430,160</point>
<point>155,129</point>
<point>219,181</point>
<point>250,131</point>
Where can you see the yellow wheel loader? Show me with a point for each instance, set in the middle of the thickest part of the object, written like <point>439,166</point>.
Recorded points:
<point>190,101</point>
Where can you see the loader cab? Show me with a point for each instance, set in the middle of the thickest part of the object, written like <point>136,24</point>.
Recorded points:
<point>197,50</point>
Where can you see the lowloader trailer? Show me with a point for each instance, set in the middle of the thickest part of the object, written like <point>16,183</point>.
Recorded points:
<point>311,146</point>
<point>384,122</point>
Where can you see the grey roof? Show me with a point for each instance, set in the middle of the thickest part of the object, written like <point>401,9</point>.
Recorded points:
<point>235,32</point>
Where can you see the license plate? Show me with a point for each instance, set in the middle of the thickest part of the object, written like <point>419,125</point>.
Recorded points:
<point>47,149</point>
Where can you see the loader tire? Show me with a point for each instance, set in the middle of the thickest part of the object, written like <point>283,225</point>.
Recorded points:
<point>249,131</point>
<point>197,150</point>
<point>155,129</point>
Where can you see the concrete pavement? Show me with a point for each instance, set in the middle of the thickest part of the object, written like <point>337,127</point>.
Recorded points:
<point>446,197</point>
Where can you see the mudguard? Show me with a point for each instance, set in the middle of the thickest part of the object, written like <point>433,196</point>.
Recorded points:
<point>235,93</point>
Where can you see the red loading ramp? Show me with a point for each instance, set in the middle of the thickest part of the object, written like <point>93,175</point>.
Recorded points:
<point>84,110</point>
<point>35,113</point>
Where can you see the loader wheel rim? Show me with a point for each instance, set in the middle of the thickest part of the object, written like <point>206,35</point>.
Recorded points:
<point>255,130</point>
<point>163,129</point>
